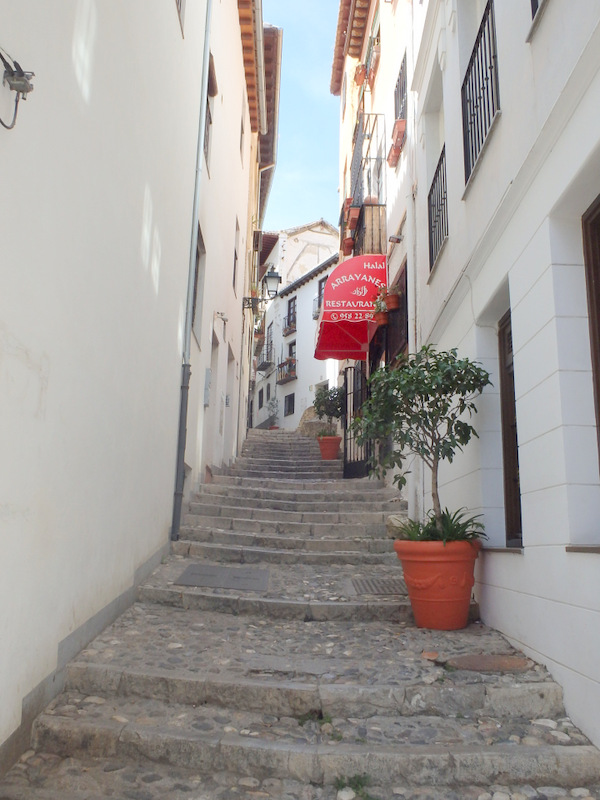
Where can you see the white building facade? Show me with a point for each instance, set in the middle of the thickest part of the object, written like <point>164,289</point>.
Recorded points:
<point>287,373</point>
<point>500,234</point>
<point>107,172</point>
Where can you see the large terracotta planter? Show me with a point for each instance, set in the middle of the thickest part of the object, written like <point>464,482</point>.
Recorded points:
<point>330,447</point>
<point>439,578</point>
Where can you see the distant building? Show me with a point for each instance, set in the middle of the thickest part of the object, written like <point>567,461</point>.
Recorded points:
<point>287,373</point>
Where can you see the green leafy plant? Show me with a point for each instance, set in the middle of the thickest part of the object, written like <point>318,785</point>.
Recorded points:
<point>455,527</point>
<point>329,404</point>
<point>420,407</point>
<point>358,784</point>
<point>379,303</point>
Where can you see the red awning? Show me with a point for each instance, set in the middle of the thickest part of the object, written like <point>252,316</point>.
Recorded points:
<point>346,324</point>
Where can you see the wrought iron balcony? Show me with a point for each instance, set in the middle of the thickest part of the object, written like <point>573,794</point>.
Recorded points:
<point>289,324</point>
<point>371,231</point>
<point>362,218</point>
<point>265,360</point>
<point>286,371</point>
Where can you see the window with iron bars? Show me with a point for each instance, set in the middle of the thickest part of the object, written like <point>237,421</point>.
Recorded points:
<point>437,208</point>
<point>400,92</point>
<point>480,90</point>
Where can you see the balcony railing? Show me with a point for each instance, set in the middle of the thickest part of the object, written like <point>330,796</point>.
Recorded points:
<point>480,90</point>
<point>437,207</point>
<point>286,371</point>
<point>371,236</point>
<point>289,324</point>
<point>265,359</point>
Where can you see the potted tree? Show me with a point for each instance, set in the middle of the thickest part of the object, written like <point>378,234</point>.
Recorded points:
<point>421,405</point>
<point>329,404</point>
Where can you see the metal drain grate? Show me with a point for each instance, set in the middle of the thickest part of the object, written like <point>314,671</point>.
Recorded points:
<point>379,586</point>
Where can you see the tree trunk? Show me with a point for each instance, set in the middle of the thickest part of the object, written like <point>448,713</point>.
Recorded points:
<point>435,497</point>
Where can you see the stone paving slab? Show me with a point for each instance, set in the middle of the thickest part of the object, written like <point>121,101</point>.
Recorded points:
<point>301,583</point>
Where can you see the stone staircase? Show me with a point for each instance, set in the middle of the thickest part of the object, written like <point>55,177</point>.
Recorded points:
<point>273,656</point>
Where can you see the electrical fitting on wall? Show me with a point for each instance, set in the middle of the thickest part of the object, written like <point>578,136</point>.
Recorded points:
<point>17,80</point>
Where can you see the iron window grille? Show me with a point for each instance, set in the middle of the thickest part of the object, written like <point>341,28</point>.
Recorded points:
<point>400,92</point>
<point>480,91</point>
<point>437,208</point>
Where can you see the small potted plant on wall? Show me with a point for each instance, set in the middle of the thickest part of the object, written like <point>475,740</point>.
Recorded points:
<point>329,404</point>
<point>380,308</point>
<point>421,405</point>
<point>392,297</point>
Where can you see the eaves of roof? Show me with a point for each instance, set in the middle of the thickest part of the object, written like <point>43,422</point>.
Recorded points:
<point>310,275</point>
<point>349,38</point>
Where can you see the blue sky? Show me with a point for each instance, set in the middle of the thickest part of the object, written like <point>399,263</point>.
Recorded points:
<point>306,176</point>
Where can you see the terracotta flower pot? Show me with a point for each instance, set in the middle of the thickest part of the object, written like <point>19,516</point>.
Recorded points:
<point>330,447</point>
<point>392,301</point>
<point>381,317</point>
<point>439,578</point>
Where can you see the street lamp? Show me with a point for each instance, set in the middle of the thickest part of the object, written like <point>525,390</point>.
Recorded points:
<point>269,287</point>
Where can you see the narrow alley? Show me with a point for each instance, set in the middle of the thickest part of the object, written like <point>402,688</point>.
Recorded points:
<point>272,655</point>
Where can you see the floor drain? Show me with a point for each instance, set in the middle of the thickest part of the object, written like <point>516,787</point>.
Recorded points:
<point>379,586</point>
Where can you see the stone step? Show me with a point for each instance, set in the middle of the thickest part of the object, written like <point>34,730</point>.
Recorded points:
<point>293,668</point>
<point>299,591</point>
<point>316,751</point>
<point>236,554</point>
<point>299,475</point>
<point>330,545</point>
<point>362,486</point>
<point>51,777</point>
<point>302,530</point>
<point>336,496</point>
<point>215,510</point>
<point>297,501</point>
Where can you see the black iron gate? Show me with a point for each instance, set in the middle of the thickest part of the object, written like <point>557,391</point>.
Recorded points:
<point>356,457</point>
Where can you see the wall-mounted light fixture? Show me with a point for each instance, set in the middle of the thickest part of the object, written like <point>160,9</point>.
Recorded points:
<point>17,81</point>
<point>269,288</point>
<point>396,239</point>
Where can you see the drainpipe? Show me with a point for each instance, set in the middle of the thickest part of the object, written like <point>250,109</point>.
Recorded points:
<point>186,366</point>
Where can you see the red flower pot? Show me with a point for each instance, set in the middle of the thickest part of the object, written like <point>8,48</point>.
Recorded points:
<point>330,447</point>
<point>439,578</point>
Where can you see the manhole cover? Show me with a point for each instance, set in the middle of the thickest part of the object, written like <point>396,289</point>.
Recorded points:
<point>379,586</point>
<point>491,663</point>
<point>243,578</point>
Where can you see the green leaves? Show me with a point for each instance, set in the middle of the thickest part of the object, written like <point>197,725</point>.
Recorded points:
<point>330,402</point>
<point>455,527</point>
<point>421,408</point>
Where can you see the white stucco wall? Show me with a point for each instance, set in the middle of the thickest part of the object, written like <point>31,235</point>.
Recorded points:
<point>229,190</point>
<point>95,230</point>
<point>515,242</point>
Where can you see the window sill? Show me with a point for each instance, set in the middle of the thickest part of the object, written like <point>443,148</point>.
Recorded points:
<point>519,551</point>
<point>438,258</point>
<point>583,548</point>
<point>484,147</point>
